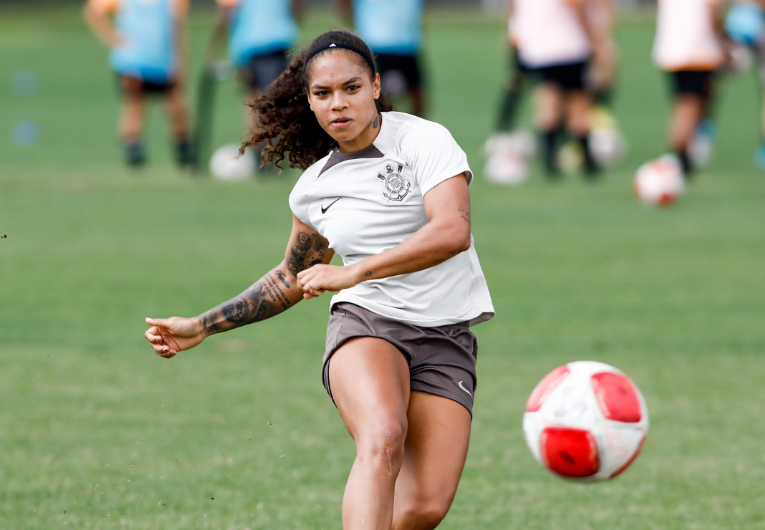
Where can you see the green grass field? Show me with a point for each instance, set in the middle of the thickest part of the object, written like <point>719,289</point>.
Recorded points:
<point>98,432</point>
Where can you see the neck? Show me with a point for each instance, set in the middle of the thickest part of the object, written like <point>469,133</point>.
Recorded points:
<point>365,139</point>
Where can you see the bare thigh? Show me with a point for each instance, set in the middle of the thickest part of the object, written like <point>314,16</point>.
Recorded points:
<point>369,379</point>
<point>434,456</point>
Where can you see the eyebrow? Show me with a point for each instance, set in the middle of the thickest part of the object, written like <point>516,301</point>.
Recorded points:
<point>351,80</point>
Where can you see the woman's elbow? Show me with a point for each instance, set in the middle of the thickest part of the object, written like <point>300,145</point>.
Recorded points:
<point>459,241</point>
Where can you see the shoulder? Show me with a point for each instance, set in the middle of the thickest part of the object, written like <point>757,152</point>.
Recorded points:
<point>308,177</point>
<point>410,128</point>
<point>417,134</point>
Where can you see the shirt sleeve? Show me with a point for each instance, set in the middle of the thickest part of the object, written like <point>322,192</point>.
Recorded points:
<point>104,7</point>
<point>433,154</point>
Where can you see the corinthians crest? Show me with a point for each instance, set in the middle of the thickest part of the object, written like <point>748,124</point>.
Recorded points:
<point>395,185</point>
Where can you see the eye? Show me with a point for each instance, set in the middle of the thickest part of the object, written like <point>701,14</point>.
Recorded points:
<point>352,88</point>
<point>320,93</point>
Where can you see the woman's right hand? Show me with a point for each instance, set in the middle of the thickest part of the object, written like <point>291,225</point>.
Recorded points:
<point>168,336</point>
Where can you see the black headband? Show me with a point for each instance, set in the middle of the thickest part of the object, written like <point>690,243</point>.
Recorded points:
<point>365,56</point>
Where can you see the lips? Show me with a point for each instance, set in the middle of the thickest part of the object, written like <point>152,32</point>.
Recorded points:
<point>341,123</point>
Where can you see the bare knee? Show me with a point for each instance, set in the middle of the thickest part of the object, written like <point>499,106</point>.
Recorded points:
<point>383,445</point>
<point>422,514</point>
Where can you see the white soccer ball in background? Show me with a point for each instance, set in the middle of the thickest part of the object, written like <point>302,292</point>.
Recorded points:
<point>226,164</point>
<point>608,145</point>
<point>659,182</point>
<point>586,421</point>
<point>520,142</point>
<point>507,169</point>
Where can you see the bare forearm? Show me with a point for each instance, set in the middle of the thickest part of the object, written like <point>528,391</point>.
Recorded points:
<point>584,20</point>
<point>432,244</point>
<point>274,293</point>
<point>101,27</point>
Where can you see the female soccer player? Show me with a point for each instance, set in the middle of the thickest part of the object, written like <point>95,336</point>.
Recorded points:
<point>389,192</point>
<point>148,45</point>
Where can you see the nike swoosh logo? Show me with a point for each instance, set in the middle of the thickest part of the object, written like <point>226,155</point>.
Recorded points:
<point>324,210</point>
<point>465,389</point>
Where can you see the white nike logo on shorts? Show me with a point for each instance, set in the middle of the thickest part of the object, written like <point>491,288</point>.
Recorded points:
<point>465,389</point>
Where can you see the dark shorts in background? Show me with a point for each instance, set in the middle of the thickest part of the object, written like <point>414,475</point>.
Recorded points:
<point>407,67</point>
<point>135,85</point>
<point>692,82</point>
<point>263,69</point>
<point>441,360</point>
<point>571,77</point>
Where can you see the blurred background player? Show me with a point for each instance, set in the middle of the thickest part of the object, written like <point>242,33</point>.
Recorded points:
<point>689,46</point>
<point>148,45</point>
<point>506,140</point>
<point>393,30</point>
<point>513,94</point>
<point>260,35</point>
<point>745,26</point>
<point>601,14</point>
<point>555,42</point>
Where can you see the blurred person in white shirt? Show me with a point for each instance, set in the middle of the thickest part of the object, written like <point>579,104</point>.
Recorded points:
<point>689,46</point>
<point>556,41</point>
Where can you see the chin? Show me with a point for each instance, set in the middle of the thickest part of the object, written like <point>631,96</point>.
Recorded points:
<point>345,135</point>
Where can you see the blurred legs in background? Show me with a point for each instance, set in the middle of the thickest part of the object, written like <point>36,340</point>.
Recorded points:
<point>176,107</point>
<point>563,106</point>
<point>692,99</point>
<point>260,71</point>
<point>513,94</point>
<point>136,92</point>
<point>131,128</point>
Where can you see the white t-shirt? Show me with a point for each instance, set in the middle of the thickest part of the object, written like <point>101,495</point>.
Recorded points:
<point>548,33</point>
<point>685,36</point>
<point>370,201</point>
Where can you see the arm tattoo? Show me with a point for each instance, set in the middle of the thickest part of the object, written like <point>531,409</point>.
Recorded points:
<point>464,214</point>
<point>265,299</point>
<point>268,296</point>
<point>308,251</point>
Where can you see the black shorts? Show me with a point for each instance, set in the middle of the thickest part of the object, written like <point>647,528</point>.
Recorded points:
<point>692,82</point>
<point>570,77</point>
<point>397,68</point>
<point>441,360</point>
<point>261,70</point>
<point>135,85</point>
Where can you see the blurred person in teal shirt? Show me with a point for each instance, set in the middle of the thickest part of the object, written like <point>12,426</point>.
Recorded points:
<point>393,30</point>
<point>148,45</point>
<point>260,34</point>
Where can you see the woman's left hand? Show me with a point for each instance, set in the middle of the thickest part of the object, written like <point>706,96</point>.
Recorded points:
<point>321,278</point>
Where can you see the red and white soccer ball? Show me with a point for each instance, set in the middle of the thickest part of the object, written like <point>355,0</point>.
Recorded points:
<point>586,421</point>
<point>659,182</point>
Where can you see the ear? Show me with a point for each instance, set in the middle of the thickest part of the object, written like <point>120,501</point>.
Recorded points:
<point>376,86</point>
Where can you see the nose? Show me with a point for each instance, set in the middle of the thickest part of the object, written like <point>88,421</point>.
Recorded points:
<point>338,102</point>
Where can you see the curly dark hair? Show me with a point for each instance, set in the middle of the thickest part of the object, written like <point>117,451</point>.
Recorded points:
<point>284,117</point>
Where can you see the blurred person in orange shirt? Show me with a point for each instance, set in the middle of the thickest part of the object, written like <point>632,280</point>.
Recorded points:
<point>148,43</point>
<point>556,42</point>
<point>689,46</point>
